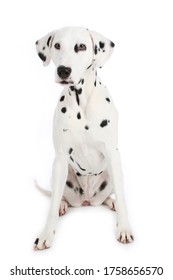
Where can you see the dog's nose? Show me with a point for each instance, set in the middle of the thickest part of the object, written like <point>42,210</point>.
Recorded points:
<point>63,72</point>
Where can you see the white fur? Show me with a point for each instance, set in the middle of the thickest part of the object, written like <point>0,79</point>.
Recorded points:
<point>84,131</point>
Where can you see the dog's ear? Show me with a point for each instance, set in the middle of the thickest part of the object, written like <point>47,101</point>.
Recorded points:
<point>102,48</point>
<point>43,47</point>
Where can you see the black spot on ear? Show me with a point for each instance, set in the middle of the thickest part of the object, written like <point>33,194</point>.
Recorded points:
<point>42,56</point>
<point>86,127</point>
<point>48,41</point>
<point>101,44</point>
<point>78,116</point>
<point>107,99</point>
<point>102,186</point>
<point>64,110</point>
<point>104,123</point>
<point>76,48</point>
<point>70,151</point>
<point>95,49</point>
<point>62,98</point>
<point>69,184</point>
<point>112,44</point>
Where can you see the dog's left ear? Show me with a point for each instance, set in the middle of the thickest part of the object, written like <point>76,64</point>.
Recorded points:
<point>102,48</point>
<point>43,47</point>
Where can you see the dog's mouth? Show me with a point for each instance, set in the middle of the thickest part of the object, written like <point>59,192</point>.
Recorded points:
<point>66,82</point>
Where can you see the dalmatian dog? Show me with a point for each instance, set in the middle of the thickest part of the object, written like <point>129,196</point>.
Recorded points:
<point>87,166</point>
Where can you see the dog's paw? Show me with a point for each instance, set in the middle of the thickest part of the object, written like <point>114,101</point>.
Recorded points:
<point>124,235</point>
<point>63,207</point>
<point>110,202</point>
<point>44,241</point>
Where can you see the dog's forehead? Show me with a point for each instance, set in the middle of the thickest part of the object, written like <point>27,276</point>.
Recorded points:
<point>72,35</point>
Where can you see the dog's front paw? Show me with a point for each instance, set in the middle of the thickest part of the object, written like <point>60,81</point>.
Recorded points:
<point>44,241</point>
<point>63,207</point>
<point>124,235</point>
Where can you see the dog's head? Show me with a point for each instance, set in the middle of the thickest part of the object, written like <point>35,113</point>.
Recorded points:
<point>73,50</point>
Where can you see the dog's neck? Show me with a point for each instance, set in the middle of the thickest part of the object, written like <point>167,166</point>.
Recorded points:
<point>83,91</point>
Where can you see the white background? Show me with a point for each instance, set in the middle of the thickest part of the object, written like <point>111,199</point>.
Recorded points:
<point>139,77</point>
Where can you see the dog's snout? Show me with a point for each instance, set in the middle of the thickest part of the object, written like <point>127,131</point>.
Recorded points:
<point>63,72</point>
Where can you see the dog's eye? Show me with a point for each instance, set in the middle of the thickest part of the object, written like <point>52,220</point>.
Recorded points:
<point>82,47</point>
<point>57,46</point>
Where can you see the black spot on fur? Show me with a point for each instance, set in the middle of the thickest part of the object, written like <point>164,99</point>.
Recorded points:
<point>86,127</point>
<point>76,48</point>
<point>44,48</point>
<point>95,83</point>
<point>36,42</point>
<point>72,88</point>
<point>104,123</point>
<point>48,41</point>
<point>70,151</point>
<point>69,184</point>
<point>42,56</point>
<point>77,98</point>
<point>62,98</point>
<point>64,110</point>
<point>101,44</point>
<point>95,49</point>
<point>82,81</point>
<point>78,174</point>
<point>81,167</point>
<point>78,116</point>
<point>72,159</point>
<point>36,241</point>
<point>103,186</point>
<point>112,44</point>
<point>107,99</point>
<point>81,191</point>
<point>89,66</point>
<point>78,91</point>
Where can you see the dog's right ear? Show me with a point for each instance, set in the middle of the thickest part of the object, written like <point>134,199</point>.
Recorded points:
<point>43,47</point>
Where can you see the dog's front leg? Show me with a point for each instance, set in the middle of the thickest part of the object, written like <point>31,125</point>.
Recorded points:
<point>59,177</point>
<point>124,234</point>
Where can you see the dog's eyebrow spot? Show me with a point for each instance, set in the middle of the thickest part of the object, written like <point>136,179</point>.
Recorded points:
<point>102,186</point>
<point>62,98</point>
<point>78,115</point>
<point>69,184</point>
<point>70,151</point>
<point>42,56</point>
<point>107,99</point>
<point>104,123</point>
<point>101,44</point>
<point>64,110</point>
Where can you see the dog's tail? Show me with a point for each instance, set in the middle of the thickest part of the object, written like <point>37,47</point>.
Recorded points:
<point>45,192</point>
